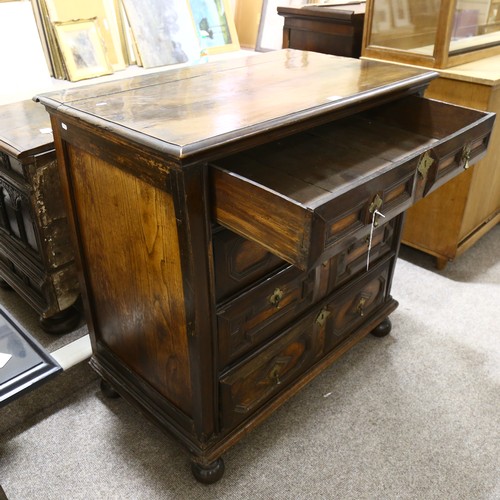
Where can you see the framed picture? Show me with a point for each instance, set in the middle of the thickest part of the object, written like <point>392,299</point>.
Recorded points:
<point>163,32</point>
<point>82,49</point>
<point>270,34</point>
<point>215,26</point>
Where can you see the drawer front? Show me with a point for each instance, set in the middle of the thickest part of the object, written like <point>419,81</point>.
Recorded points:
<point>462,136</point>
<point>239,263</point>
<point>351,307</point>
<point>24,276</point>
<point>245,388</point>
<point>254,316</point>
<point>357,258</point>
<point>444,162</point>
<point>343,223</point>
<point>308,196</point>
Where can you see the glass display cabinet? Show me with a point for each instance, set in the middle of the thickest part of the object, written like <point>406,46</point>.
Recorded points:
<point>432,33</point>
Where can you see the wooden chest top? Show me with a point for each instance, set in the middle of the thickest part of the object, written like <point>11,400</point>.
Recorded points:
<point>25,129</point>
<point>189,111</point>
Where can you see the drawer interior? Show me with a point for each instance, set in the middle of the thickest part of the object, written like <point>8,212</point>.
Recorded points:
<point>289,195</point>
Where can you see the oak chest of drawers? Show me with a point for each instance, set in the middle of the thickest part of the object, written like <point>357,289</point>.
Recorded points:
<point>36,256</point>
<point>238,225</point>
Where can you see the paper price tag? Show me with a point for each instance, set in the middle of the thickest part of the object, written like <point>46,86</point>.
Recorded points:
<point>4,359</point>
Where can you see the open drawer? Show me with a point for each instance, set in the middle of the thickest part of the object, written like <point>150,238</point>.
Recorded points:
<point>310,195</point>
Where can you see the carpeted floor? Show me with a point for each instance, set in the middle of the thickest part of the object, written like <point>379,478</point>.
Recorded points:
<point>414,415</point>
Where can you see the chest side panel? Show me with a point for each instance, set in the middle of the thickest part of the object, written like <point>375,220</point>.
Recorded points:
<point>130,253</point>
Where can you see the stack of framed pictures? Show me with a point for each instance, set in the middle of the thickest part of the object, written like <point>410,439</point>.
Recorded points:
<point>88,38</point>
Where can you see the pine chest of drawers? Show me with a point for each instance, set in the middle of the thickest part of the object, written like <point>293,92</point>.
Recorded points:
<point>238,224</point>
<point>36,256</point>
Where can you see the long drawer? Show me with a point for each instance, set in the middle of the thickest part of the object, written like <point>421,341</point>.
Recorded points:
<point>306,197</point>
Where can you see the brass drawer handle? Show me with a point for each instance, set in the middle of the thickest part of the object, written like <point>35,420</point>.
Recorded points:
<point>361,305</point>
<point>466,155</point>
<point>276,297</point>
<point>275,375</point>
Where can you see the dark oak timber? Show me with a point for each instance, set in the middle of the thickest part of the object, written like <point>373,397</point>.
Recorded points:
<point>329,29</point>
<point>226,222</point>
<point>36,256</point>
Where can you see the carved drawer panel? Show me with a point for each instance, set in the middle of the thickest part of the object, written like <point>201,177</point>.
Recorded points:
<point>358,257</point>
<point>239,263</point>
<point>254,316</point>
<point>245,388</point>
<point>352,306</point>
<point>16,220</point>
<point>308,196</point>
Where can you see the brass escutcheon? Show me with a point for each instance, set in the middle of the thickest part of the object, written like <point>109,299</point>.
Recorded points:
<point>425,164</point>
<point>375,204</point>
<point>322,316</point>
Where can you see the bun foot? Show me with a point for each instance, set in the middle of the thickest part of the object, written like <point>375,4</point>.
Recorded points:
<point>208,474</point>
<point>62,322</point>
<point>108,390</point>
<point>383,329</point>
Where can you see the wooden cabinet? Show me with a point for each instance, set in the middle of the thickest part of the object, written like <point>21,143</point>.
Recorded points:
<point>329,29</point>
<point>234,243</point>
<point>36,256</point>
<point>431,33</point>
<point>450,220</point>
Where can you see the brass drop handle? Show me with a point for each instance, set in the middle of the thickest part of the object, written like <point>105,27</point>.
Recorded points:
<point>361,305</point>
<point>275,375</point>
<point>276,297</point>
<point>466,154</point>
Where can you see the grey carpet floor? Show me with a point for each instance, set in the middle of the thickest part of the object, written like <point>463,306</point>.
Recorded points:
<point>414,415</point>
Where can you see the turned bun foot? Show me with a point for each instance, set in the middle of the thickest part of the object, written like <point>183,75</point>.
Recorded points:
<point>108,390</point>
<point>62,322</point>
<point>383,329</point>
<point>208,474</point>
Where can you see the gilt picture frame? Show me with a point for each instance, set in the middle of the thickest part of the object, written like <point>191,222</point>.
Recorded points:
<point>82,49</point>
<point>214,24</point>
